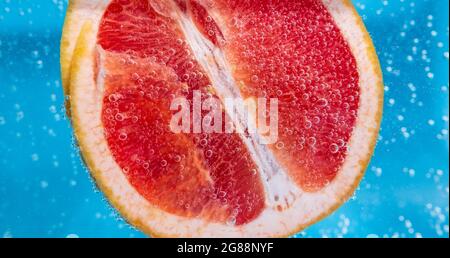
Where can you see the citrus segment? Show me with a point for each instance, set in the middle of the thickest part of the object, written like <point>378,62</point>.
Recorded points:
<point>298,55</point>
<point>184,174</point>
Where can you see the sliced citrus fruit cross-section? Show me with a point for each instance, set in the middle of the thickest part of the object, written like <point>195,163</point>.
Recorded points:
<point>124,62</point>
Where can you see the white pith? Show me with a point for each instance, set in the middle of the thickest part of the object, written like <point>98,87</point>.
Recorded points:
<point>279,189</point>
<point>304,208</point>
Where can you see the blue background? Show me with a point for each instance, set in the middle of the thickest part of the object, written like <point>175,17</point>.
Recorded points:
<point>45,191</point>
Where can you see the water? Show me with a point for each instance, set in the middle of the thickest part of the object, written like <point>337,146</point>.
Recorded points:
<point>45,191</point>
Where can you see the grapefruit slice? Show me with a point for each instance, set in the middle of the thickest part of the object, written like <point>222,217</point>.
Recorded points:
<point>125,61</point>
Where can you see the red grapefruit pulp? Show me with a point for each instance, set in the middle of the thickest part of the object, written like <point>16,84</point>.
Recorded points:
<point>146,53</point>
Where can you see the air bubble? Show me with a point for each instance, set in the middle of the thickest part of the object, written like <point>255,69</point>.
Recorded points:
<point>123,136</point>
<point>312,141</point>
<point>135,76</point>
<point>222,194</point>
<point>305,96</point>
<point>185,77</point>
<point>322,102</point>
<point>190,65</point>
<point>232,221</point>
<point>316,120</point>
<point>280,145</point>
<point>308,124</point>
<point>113,97</point>
<point>255,78</point>
<point>119,117</point>
<point>334,148</point>
<point>203,142</point>
<point>177,158</point>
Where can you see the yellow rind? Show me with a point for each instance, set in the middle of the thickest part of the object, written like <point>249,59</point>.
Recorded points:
<point>67,45</point>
